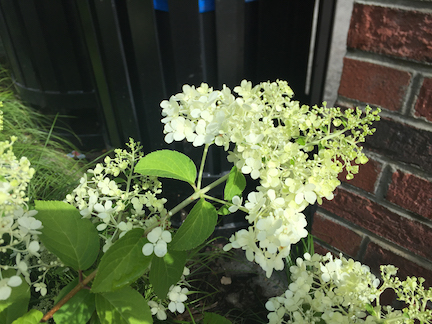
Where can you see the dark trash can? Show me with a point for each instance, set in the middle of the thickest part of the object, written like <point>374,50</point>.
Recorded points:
<point>50,64</point>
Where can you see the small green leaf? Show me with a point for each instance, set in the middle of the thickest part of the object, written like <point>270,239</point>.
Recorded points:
<point>213,318</point>
<point>370,309</point>
<point>167,271</point>
<point>78,309</point>
<point>17,303</point>
<point>167,164</point>
<point>301,140</point>
<point>224,210</point>
<point>32,317</point>
<point>74,240</point>
<point>235,184</point>
<point>124,306</point>
<point>123,263</point>
<point>197,227</point>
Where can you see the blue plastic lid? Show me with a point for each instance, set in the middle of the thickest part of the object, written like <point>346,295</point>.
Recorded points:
<point>203,5</point>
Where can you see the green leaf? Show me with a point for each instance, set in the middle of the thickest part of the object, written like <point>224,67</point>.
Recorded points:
<point>224,210</point>
<point>301,140</point>
<point>235,184</point>
<point>167,164</point>
<point>123,263</point>
<point>94,319</point>
<point>213,318</point>
<point>32,317</point>
<point>167,271</point>
<point>370,309</point>
<point>124,306</point>
<point>17,303</point>
<point>197,227</point>
<point>74,240</point>
<point>78,309</point>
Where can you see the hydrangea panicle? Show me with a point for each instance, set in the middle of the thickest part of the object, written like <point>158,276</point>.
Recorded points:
<point>296,152</point>
<point>340,290</point>
<point>19,229</point>
<point>119,206</point>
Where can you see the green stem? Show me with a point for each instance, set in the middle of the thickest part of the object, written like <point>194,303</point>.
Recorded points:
<point>325,138</point>
<point>130,175</point>
<point>395,319</point>
<point>196,195</point>
<point>201,170</point>
<point>223,202</point>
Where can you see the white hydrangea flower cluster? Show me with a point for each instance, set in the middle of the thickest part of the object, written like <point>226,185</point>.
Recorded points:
<point>118,200</point>
<point>340,290</point>
<point>19,229</point>
<point>15,176</point>
<point>323,288</point>
<point>295,151</point>
<point>177,296</point>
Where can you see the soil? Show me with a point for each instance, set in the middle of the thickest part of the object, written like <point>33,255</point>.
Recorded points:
<point>236,288</point>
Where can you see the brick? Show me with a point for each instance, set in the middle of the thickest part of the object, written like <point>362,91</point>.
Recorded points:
<point>374,84</point>
<point>377,219</point>
<point>377,255</point>
<point>423,107</point>
<point>390,31</point>
<point>401,142</point>
<point>336,235</point>
<point>367,176</point>
<point>411,192</point>
<point>319,249</point>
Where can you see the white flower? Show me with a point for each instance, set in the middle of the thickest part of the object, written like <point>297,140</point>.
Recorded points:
<point>237,202</point>
<point>158,242</point>
<point>107,186</point>
<point>41,287</point>
<point>29,225</point>
<point>101,226</point>
<point>104,211</point>
<point>33,248</point>
<point>6,286</point>
<point>107,245</point>
<point>21,265</point>
<point>137,205</point>
<point>252,166</point>
<point>158,310</point>
<point>178,129</point>
<point>124,228</point>
<point>177,295</point>
<point>5,291</point>
<point>306,193</point>
<point>93,197</point>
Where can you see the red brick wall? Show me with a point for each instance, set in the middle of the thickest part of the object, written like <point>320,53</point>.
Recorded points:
<point>384,215</point>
